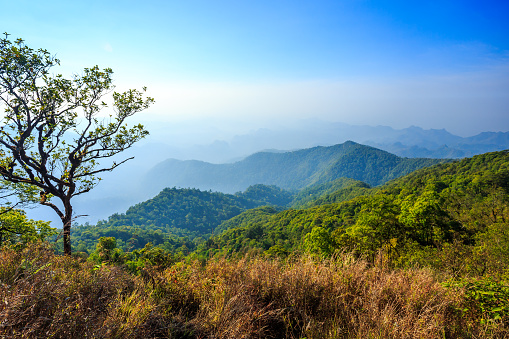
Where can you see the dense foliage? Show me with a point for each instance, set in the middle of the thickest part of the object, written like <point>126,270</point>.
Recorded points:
<point>17,229</point>
<point>425,218</point>
<point>267,195</point>
<point>175,217</point>
<point>338,190</point>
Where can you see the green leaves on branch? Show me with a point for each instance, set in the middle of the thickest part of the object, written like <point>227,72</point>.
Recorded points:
<point>131,102</point>
<point>16,228</point>
<point>51,137</point>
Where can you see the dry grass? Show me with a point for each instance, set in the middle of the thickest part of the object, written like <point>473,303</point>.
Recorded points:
<point>338,299</point>
<point>44,295</point>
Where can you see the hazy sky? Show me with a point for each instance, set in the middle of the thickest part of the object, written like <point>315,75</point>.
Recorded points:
<point>435,64</point>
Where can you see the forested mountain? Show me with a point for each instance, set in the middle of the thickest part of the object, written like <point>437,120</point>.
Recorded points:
<point>318,175</point>
<point>347,188</point>
<point>464,202</point>
<point>112,195</point>
<point>175,214</point>
<point>289,170</point>
<point>458,200</point>
<point>422,217</point>
<point>267,195</point>
<point>176,217</point>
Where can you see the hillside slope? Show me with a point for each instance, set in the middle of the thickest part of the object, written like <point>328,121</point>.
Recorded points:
<point>173,214</point>
<point>289,170</point>
<point>415,218</point>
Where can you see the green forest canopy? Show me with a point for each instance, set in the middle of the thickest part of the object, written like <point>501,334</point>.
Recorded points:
<point>414,219</point>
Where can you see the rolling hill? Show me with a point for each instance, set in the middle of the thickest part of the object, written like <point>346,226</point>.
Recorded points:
<point>288,170</point>
<point>461,206</point>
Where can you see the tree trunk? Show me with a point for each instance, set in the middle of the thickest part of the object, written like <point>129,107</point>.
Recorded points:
<point>67,238</point>
<point>66,221</point>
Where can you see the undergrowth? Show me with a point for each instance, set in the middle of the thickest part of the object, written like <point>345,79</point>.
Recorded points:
<point>46,295</point>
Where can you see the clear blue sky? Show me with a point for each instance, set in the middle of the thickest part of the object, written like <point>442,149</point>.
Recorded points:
<point>435,64</point>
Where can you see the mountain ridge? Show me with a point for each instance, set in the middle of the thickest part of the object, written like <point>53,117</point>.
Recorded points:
<point>292,170</point>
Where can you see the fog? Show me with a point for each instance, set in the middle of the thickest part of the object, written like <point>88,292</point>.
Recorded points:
<point>464,103</point>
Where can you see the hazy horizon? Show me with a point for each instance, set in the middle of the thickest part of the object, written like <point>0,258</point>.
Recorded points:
<point>255,65</point>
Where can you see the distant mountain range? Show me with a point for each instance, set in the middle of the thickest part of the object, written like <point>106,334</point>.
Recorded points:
<point>408,142</point>
<point>293,170</point>
<point>416,142</point>
<point>134,181</point>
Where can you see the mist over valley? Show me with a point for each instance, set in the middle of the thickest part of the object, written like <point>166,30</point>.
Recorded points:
<point>197,156</point>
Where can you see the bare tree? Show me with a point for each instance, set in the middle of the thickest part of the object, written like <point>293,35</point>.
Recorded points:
<point>51,139</point>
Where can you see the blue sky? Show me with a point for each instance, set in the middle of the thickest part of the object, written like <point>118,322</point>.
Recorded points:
<point>435,64</point>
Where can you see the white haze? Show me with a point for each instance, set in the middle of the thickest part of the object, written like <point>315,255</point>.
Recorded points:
<point>463,103</point>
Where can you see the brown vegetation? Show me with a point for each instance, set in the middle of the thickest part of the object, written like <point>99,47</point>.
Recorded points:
<point>46,295</point>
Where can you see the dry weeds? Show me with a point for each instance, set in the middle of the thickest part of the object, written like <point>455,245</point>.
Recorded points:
<point>45,295</point>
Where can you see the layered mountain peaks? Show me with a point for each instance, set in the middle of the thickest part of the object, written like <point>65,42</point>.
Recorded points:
<point>292,170</point>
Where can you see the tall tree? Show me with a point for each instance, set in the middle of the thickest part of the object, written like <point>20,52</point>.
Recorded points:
<point>51,137</point>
